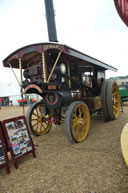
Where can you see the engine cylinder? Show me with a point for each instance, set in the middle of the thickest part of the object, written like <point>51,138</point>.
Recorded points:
<point>54,100</point>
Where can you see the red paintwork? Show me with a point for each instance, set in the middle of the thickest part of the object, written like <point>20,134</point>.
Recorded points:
<point>32,86</point>
<point>25,100</point>
<point>122,9</point>
<point>33,100</point>
<point>22,100</point>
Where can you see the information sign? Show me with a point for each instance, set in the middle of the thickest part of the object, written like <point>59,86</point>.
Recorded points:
<point>4,161</point>
<point>18,138</point>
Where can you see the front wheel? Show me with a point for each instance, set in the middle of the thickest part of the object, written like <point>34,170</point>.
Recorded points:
<point>77,121</point>
<point>38,119</point>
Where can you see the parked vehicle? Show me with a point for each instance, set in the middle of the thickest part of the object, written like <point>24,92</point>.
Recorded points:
<point>123,88</point>
<point>72,86</point>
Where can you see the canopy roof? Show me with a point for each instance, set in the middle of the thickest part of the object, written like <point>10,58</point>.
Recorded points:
<point>30,52</point>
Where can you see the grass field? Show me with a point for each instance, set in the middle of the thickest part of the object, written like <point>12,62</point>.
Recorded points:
<point>93,166</point>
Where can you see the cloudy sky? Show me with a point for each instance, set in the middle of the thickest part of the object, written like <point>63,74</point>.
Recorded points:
<point>92,27</point>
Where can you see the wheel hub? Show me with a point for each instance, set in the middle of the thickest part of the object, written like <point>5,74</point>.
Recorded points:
<point>39,119</point>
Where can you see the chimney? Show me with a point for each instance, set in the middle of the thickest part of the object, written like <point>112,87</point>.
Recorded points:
<point>50,16</point>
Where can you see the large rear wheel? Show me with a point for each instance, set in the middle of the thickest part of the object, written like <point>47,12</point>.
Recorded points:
<point>104,101</point>
<point>77,121</point>
<point>38,119</point>
<point>110,96</point>
<point>113,100</point>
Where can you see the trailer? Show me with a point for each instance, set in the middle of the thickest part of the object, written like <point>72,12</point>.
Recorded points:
<point>123,94</point>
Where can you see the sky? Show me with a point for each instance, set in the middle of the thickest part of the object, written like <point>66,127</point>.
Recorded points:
<point>92,27</point>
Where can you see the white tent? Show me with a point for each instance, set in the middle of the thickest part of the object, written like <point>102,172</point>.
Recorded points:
<point>7,89</point>
<point>12,91</point>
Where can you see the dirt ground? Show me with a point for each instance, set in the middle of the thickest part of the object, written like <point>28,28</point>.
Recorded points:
<point>93,166</point>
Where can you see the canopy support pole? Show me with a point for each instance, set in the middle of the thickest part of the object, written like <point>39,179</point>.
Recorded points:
<point>14,74</point>
<point>20,67</point>
<point>58,57</point>
<point>44,67</point>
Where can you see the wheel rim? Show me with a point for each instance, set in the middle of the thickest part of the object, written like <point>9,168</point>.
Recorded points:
<point>39,125</point>
<point>115,100</point>
<point>80,122</point>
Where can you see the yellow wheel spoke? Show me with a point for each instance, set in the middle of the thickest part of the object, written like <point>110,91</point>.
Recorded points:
<point>115,108</point>
<point>74,124</point>
<point>84,123</point>
<point>37,112</point>
<point>115,100</point>
<point>35,124</point>
<point>76,130</point>
<point>41,126</point>
<point>115,93</point>
<point>80,112</point>
<point>74,115</point>
<point>34,114</point>
<point>34,119</point>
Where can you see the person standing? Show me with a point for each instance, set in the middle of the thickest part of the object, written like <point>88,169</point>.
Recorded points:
<point>28,100</point>
<point>0,102</point>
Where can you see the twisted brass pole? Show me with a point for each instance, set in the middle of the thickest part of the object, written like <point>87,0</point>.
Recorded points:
<point>20,67</point>
<point>44,67</point>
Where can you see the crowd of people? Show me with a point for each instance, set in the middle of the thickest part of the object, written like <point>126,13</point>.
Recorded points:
<point>5,102</point>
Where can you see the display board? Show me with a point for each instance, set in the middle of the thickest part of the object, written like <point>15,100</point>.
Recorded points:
<point>18,138</point>
<point>4,161</point>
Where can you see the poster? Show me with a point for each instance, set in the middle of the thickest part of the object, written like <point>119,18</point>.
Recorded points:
<point>2,155</point>
<point>19,138</point>
<point>4,161</point>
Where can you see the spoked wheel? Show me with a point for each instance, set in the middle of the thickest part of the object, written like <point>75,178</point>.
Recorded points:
<point>113,100</point>
<point>38,119</point>
<point>77,121</point>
